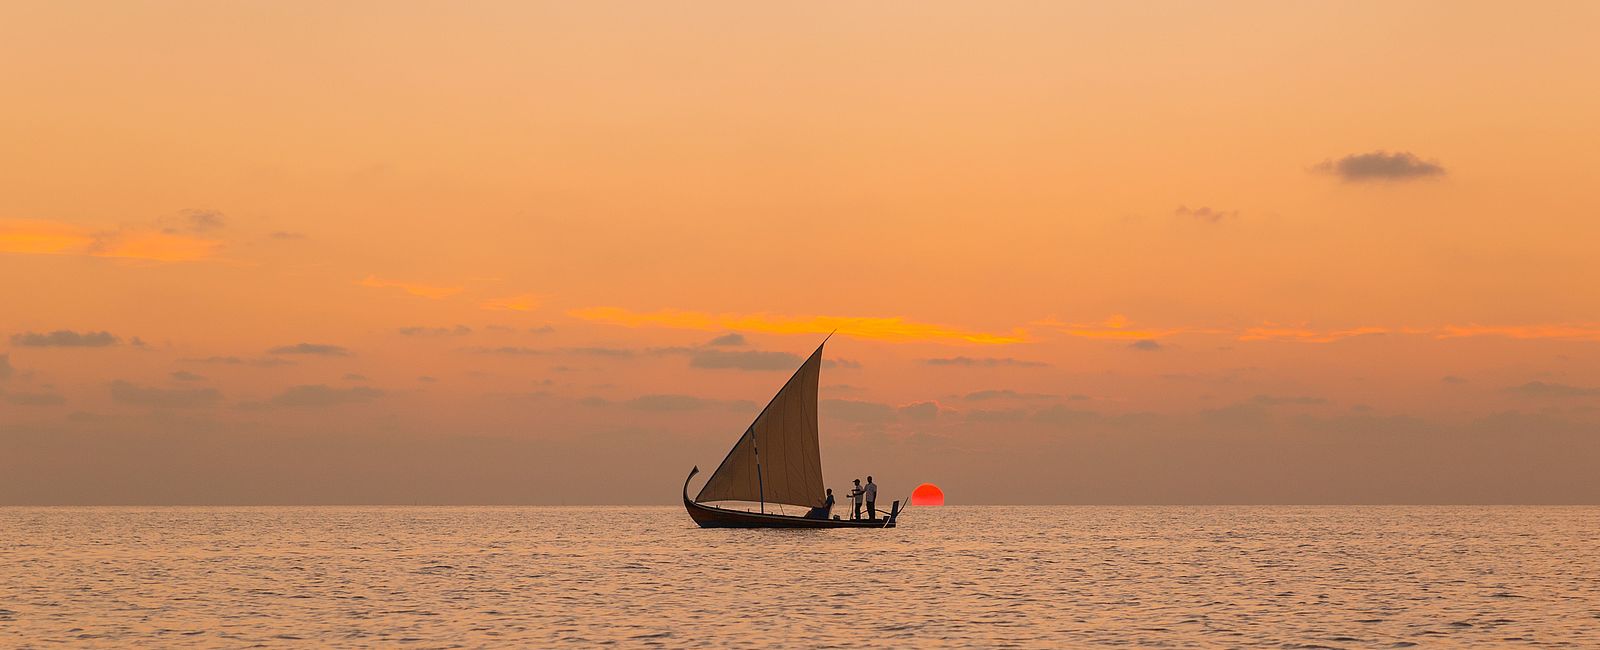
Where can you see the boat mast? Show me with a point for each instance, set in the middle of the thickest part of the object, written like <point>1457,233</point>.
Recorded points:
<point>761,486</point>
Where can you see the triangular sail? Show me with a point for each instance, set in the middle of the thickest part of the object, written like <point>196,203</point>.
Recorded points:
<point>784,439</point>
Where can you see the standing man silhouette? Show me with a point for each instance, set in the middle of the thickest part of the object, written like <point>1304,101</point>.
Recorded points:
<point>871,493</point>
<point>855,498</point>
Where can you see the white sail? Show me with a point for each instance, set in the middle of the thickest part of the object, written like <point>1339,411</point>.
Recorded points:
<point>783,440</point>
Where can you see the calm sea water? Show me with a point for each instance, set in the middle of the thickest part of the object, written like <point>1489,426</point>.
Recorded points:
<point>950,577</point>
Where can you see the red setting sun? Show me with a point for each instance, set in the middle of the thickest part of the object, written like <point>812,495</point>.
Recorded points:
<point>927,494</point>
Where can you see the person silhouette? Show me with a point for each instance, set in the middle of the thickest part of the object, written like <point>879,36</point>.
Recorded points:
<point>855,498</point>
<point>822,511</point>
<point>871,495</point>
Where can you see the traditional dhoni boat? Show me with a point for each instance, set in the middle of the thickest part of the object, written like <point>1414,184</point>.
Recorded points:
<point>776,462</point>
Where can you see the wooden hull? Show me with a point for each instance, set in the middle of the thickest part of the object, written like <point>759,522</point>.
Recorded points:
<point>713,517</point>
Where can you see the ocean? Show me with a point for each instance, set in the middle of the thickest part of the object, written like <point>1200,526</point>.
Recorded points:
<point>950,577</point>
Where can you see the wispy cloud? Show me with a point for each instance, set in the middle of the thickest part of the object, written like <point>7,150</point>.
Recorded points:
<point>523,302</point>
<point>886,329</point>
<point>1003,394</point>
<point>33,399</point>
<point>729,339</point>
<point>1380,166</point>
<point>1147,345</point>
<point>64,339</point>
<point>513,350</point>
<point>1547,389</point>
<point>859,411</point>
<point>315,349</point>
<point>434,292</point>
<point>259,362</point>
<point>743,359</point>
<point>1206,214</point>
<point>128,393</point>
<point>459,330</point>
<point>1118,327</point>
<point>923,411</point>
<point>50,238</point>
<point>1279,400</point>
<point>201,220</point>
<point>1583,332</point>
<point>184,375</point>
<point>319,396</point>
<point>985,362</point>
<point>508,350</point>
<point>1306,335</point>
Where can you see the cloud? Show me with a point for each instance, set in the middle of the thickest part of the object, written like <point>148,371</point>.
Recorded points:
<point>1062,416</point>
<point>1543,389</point>
<point>846,364</point>
<point>523,302</point>
<point>1304,335</point>
<point>508,350</point>
<point>1003,394</point>
<point>1582,332</point>
<point>662,403</point>
<point>51,238</point>
<point>320,396</point>
<point>1380,166</point>
<point>542,329</point>
<point>729,339</point>
<point>1275,400</point>
<point>184,375</point>
<point>157,247</point>
<point>128,393</point>
<point>203,220</point>
<point>599,352</point>
<point>262,362</point>
<point>1206,214</point>
<point>420,290</point>
<point>34,399</point>
<point>887,329</point>
<point>743,360</point>
<point>350,376</point>
<point>666,403</point>
<point>317,349</point>
<point>851,410</point>
<point>516,350</point>
<point>985,362</point>
<point>459,330</point>
<point>427,379</point>
<point>1146,345</point>
<point>996,415</point>
<point>284,234</point>
<point>64,339</point>
<point>1116,326</point>
<point>6,370</point>
<point>1452,379</point>
<point>919,411</point>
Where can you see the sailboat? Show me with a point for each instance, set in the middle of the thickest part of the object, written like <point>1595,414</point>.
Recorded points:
<point>776,462</point>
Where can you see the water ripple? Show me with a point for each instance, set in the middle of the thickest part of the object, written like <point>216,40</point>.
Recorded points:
<point>1270,577</point>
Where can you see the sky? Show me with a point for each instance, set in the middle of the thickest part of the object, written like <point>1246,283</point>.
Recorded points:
<point>559,253</point>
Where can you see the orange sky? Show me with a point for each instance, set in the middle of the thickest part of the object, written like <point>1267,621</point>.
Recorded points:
<point>1076,253</point>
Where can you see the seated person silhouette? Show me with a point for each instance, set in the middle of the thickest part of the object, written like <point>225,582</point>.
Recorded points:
<point>821,512</point>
